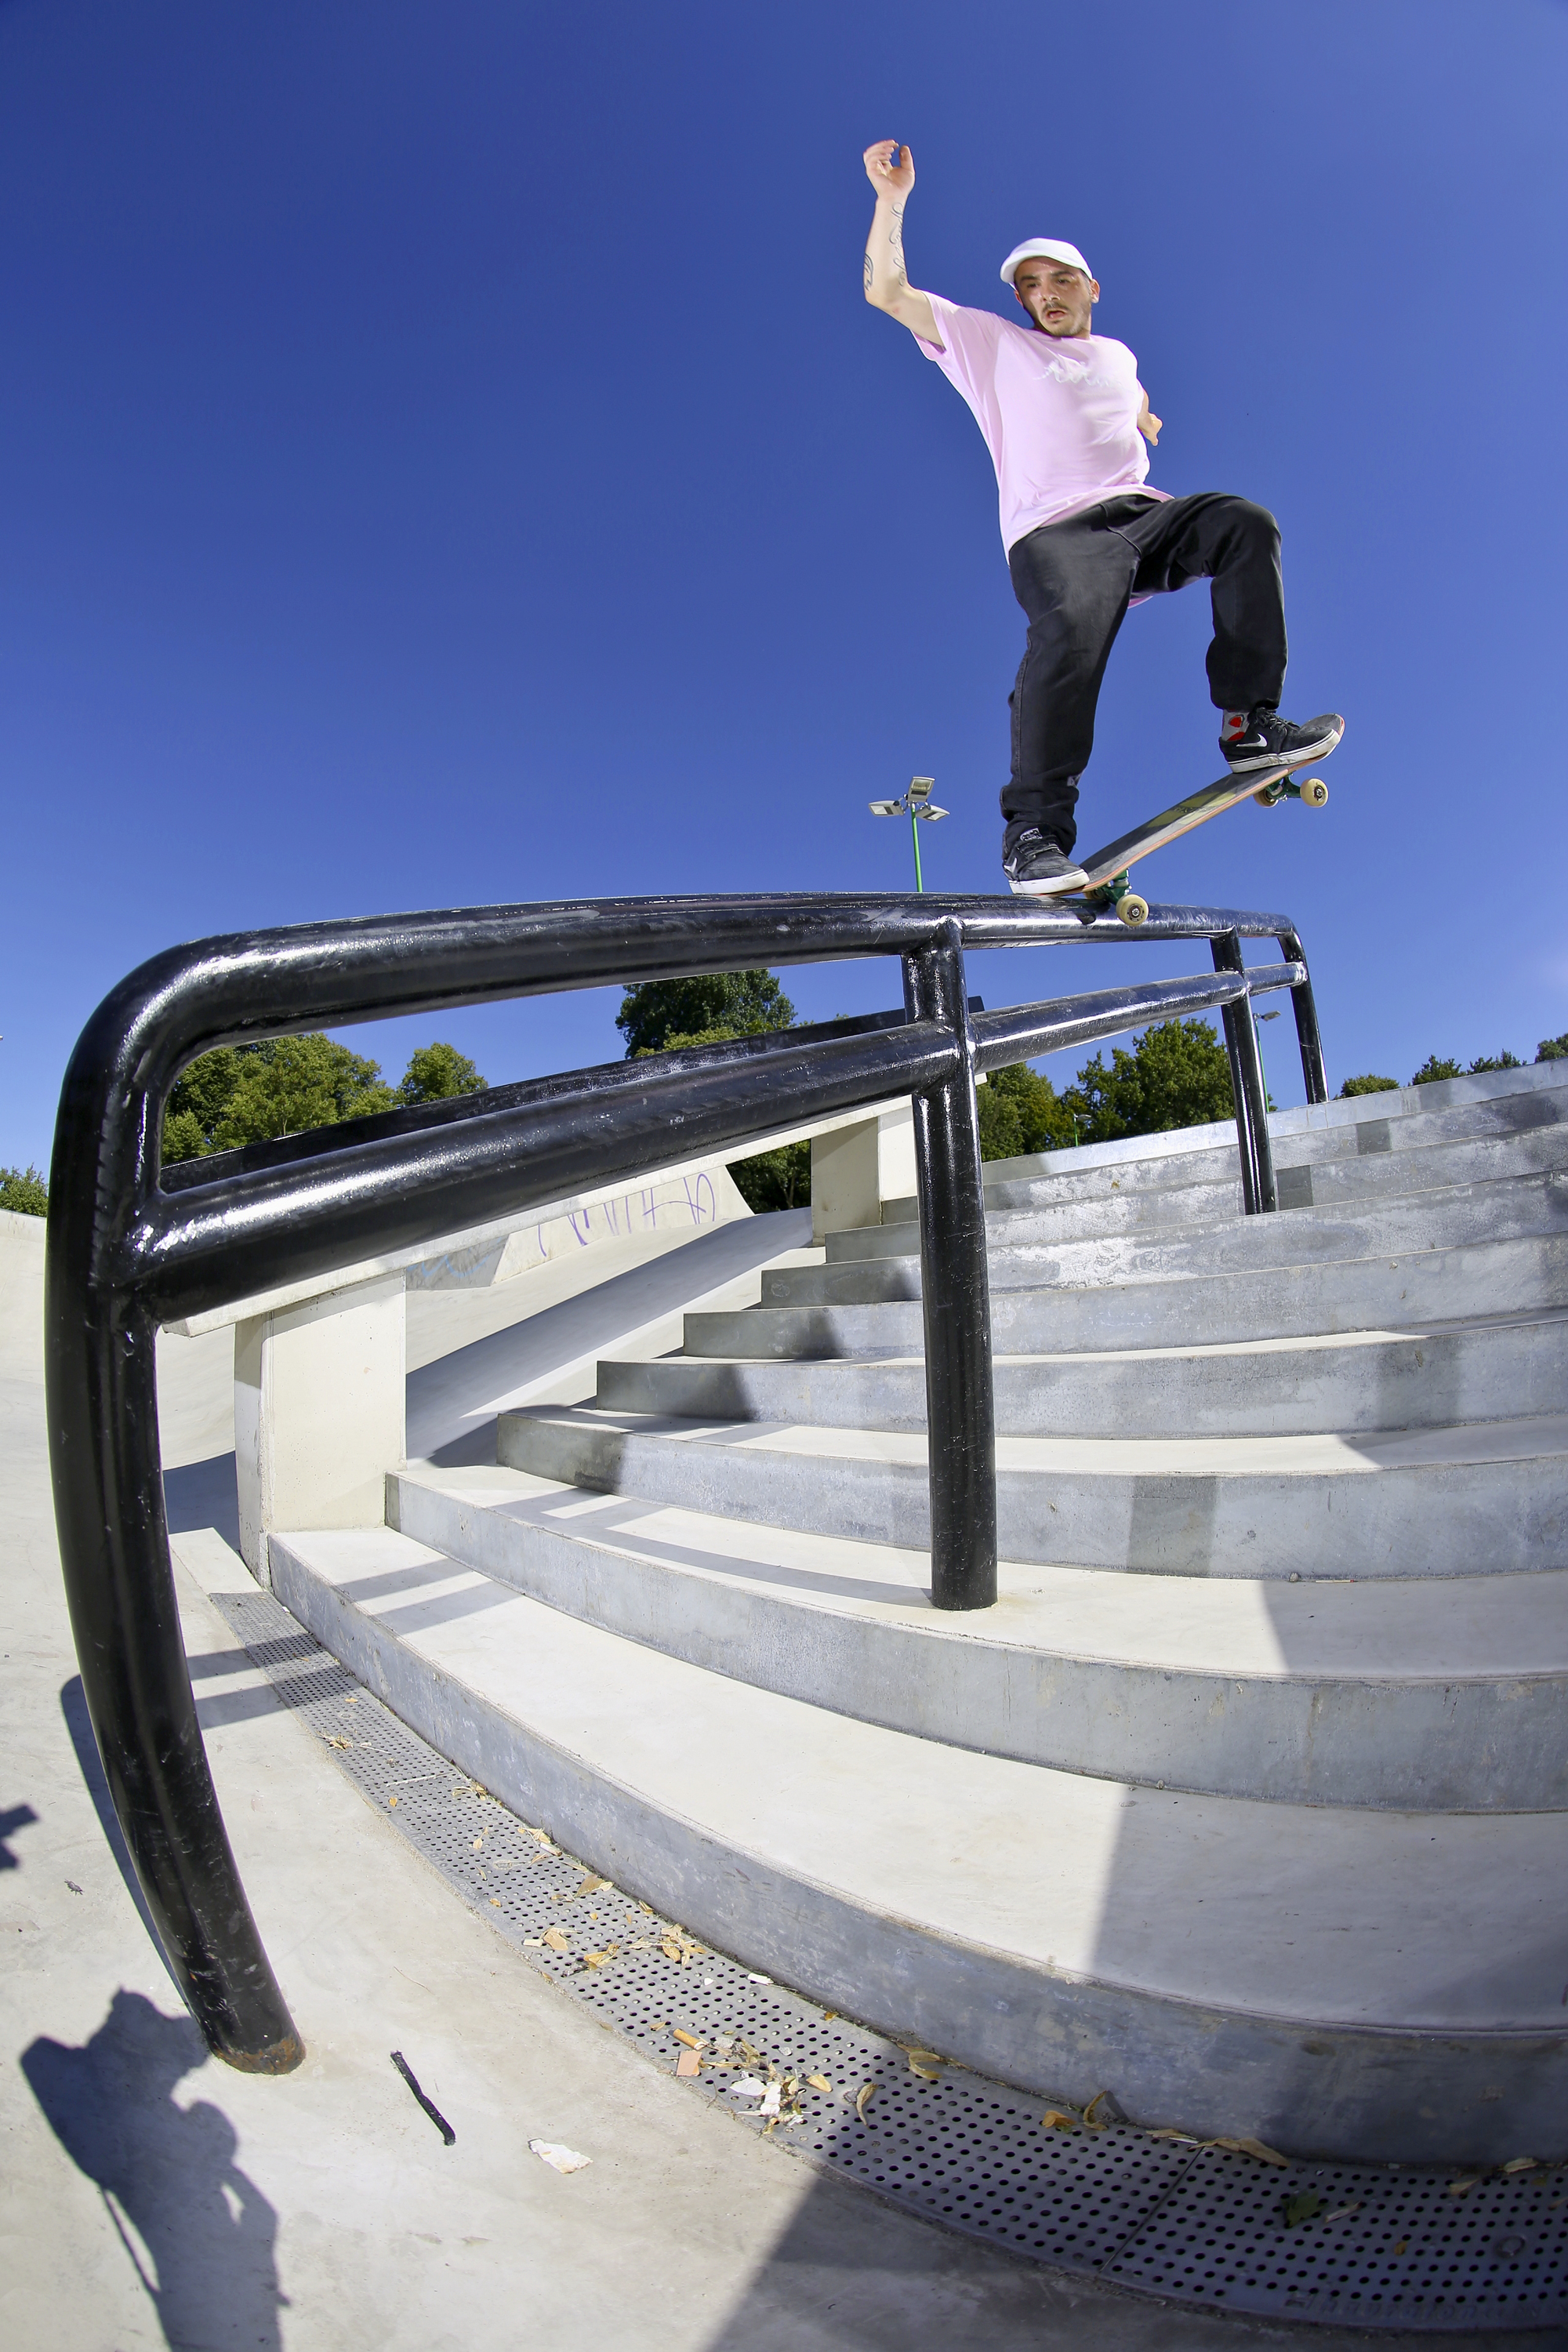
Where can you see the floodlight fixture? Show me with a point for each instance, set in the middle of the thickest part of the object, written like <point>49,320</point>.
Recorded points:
<point>915,804</point>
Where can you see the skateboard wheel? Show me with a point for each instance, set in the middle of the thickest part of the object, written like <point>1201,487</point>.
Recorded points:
<point>1270,796</point>
<point>1132,909</point>
<point>1315,792</point>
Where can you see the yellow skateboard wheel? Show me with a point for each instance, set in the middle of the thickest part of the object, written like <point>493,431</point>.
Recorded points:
<point>1132,909</point>
<point>1314,793</point>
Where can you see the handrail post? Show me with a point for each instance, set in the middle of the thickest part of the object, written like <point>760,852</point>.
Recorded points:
<point>120,1587</point>
<point>1305,1007</point>
<point>961,1419</point>
<point>1259,1192</point>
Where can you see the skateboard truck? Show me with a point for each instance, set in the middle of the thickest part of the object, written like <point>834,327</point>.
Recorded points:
<point>1120,895</point>
<point>1313,793</point>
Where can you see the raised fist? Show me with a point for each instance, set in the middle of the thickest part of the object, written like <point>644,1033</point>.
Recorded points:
<point>890,169</point>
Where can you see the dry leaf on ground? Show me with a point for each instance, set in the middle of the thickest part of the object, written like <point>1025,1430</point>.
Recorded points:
<point>597,1960</point>
<point>1058,2120</point>
<point>1459,2188</point>
<point>590,1886</point>
<point>925,2064</point>
<point>1253,2147</point>
<point>556,1940</point>
<point>1301,2206</point>
<point>1521,2164</point>
<point>864,2096</point>
<point>820,2083</point>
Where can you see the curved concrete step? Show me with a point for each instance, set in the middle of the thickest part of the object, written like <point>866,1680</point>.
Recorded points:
<point>1450,1217</point>
<point>1365,1984</point>
<point>1396,1293</point>
<point>1502,1370</point>
<point>1407,1119</point>
<point>1119,1205</point>
<point>1453,1502</point>
<point>1432,1697</point>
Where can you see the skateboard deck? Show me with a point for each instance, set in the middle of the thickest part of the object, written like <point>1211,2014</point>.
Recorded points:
<point>1107,887</point>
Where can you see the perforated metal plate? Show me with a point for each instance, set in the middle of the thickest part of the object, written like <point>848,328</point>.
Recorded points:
<point>1383,2246</point>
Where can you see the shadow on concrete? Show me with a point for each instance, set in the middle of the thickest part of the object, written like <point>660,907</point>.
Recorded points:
<point>447,1397</point>
<point>15,1818</point>
<point>166,2174</point>
<point>848,2273</point>
<point>203,1495</point>
<point>79,1724</point>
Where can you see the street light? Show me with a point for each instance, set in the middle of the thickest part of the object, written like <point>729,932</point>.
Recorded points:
<point>915,804</point>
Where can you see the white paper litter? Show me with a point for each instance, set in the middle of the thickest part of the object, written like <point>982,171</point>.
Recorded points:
<point>558,2157</point>
<point>748,2087</point>
<point>770,2105</point>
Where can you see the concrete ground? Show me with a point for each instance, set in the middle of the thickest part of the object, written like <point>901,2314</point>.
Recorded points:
<point>154,2197</point>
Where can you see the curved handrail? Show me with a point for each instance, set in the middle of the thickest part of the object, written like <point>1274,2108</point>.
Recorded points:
<point>130,1248</point>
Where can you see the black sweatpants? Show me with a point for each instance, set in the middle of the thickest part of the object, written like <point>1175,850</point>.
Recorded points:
<point>1074,580</point>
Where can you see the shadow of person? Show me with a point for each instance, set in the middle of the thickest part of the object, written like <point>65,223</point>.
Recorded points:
<point>168,2171</point>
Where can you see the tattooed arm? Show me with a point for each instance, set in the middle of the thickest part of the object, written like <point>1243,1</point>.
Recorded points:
<point>892,172</point>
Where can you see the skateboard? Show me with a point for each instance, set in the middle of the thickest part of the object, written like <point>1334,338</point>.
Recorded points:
<point>1108,887</point>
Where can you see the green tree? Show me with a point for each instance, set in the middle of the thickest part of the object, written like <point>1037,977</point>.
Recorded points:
<point>437,1072</point>
<point>1435,1067</point>
<point>24,1191</point>
<point>775,1179</point>
<point>1503,1061</point>
<point>247,1094</point>
<point>304,1082</point>
<point>718,1003</point>
<point>1367,1084</point>
<point>1177,1074</point>
<point>1021,1112</point>
<point>1552,1049</point>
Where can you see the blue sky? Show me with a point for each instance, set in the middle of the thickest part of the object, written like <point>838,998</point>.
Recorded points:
<point>446,458</point>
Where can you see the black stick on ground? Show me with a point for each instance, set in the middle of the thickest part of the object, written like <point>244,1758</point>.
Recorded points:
<point>431,2109</point>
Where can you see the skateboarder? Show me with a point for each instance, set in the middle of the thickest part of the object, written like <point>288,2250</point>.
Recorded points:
<point>1061,409</point>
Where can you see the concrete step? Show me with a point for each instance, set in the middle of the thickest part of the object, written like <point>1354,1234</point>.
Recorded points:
<point>1292,1302</point>
<point>1352,1983</point>
<point>1443,1219</point>
<point>1502,1370</point>
<point>1497,1102</point>
<point>1447,1502</point>
<point>1451,1696</point>
<point>1120,1206</point>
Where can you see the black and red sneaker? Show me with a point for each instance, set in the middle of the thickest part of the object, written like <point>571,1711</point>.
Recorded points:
<point>1264,740</point>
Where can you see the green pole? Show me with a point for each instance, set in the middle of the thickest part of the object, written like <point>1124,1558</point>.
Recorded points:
<point>915,837</point>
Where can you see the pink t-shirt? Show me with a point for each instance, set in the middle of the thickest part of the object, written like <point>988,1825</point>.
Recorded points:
<point>1060,413</point>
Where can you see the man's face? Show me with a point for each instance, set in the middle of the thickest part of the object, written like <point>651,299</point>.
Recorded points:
<point>1059,299</point>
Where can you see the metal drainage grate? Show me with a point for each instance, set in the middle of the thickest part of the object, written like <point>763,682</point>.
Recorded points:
<point>1387,2245</point>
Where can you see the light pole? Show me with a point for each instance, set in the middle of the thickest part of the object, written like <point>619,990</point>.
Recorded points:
<point>916,805</point>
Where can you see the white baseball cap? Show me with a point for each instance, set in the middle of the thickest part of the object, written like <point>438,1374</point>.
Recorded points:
<point>1045,248</point>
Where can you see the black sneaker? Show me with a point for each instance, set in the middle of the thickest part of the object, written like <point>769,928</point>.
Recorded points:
<point>1036,868</point>
<point>1269,741</point>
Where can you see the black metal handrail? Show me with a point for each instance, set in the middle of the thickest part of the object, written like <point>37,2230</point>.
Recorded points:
<point>131,1246</point>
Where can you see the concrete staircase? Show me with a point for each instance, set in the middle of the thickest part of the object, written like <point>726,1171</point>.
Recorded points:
<point>1249,1799</point>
